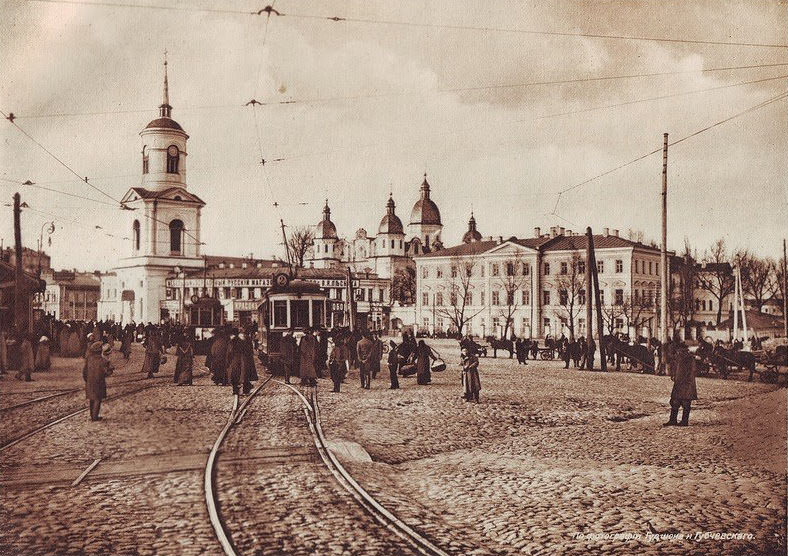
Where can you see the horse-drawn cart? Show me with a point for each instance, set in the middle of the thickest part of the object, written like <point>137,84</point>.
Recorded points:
<point>775,363</point>
<point>547,353</point>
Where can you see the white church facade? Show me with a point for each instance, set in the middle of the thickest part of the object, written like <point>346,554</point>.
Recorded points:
<point>163,223</point>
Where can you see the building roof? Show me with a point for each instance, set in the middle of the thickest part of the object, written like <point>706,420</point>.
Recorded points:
<point>169,194</point>
<point>542,243</point>
<point>251,272</point>
<point>164,123</point>
<point>213,261</point>
<point>755,321</point>
<point>425,211</point>
<point>472,234</point>
<point>390,223</point>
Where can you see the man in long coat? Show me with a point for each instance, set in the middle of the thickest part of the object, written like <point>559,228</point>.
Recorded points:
<point>43,360</point>
<point>682,368</point>
<point>424,358</point>
<point>95,372</point>
<point>393,361</point>
<point>289,354</point>
<point>153,352</point>
<point>366,351</point>
<point>307,350</point>
<point>218,354</point>
<point>26,358</point>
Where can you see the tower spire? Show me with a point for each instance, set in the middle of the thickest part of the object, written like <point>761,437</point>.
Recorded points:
<point>165,109</point>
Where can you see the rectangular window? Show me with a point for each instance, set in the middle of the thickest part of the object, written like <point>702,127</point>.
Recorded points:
<point>619,324</point>
<point>600,267</point>
<point>619,265</point>
<point>711,305</point>
<point>481,271</point>
<point>425,272</point>
<point>697,304</point>
<point>494,269</point>
<point>392,244</point>
<point>526,297</point>
<point>299,313</point>
<point>581,297</point>
<point>547,269</point>
<point>439,299</point>
<point>482,296</point>
<point>510,298</point>
<point>425,298</point>
<point>280,314</point>
<point>649,267</point>
<point>563,297</point>
<point>526,269</point>
<point>546,297</point>
<point>637,266</point>
<point>469,298</point>
<point>453,271</point>
<point>453,299</point>
<point>602,296</point>
<point>227,293</point>
<point>510,269</point>
<point>619,297</point>
<point>496,298</point>
<point>439,272</point>
<point>564,268</point>
<point>703,305</point>
<point>581,267</point>
<point>380,295</point>
<point>656,267</point>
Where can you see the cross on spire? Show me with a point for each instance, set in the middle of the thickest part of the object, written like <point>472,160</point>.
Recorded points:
<point>165,110</point>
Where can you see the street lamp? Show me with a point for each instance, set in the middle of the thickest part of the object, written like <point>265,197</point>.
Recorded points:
<point>50,230</point>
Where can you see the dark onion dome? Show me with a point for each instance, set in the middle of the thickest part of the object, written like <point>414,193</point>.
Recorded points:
<point>164,123</point>
<point>390,224</point>
<point>472,234</point>
<point>425,211</point>
<point>326,228</point>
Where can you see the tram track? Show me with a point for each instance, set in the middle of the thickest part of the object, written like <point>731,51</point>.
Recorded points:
<point>406,536</point>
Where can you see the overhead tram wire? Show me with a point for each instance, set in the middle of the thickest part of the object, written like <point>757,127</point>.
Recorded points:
<point>50,153</point>
<point>761,104</point>
<point>37,186</point>
<point>457,27</point>
<point>318,100</point>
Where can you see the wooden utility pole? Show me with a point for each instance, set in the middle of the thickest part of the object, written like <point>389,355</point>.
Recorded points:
<point>785,293</point>
<point>287,248</point>
<point>589,298</point>
<point>663,255</point>
<point>351,317</point>
<point>21,302</point>
<point>598,302</point>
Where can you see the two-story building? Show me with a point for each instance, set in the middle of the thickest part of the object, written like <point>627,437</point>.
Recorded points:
<point>535,286</point>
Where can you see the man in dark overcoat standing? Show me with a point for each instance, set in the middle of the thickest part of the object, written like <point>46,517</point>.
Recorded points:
<point>682,369</point>
<point>365,350</point>
<point>289,354</point>
<point>307,351</point>
<point>94,373</point>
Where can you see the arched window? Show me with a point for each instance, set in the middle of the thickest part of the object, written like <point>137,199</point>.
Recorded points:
<point>172,159</point>
<point>145,159</point>
<point>176,236</point>
<point>135,234</point>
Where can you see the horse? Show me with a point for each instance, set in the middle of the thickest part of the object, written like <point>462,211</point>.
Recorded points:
<point>634,354</point>
<point>472,347</point>
<point>722,358</point>
<point>503,344</point>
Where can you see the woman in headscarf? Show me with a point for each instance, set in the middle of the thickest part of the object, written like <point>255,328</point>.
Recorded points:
<point>26,358</point>
<point>470,376</point>
<point>185,362</point>
<point>424,358</point>
<point>43,360</point>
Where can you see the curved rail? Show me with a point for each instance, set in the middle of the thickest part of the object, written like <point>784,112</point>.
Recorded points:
<point>312,411</point>
<point>208,483</point>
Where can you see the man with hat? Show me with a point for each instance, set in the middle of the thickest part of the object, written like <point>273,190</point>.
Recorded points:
<point>97,368</point>
<point>682,369</point>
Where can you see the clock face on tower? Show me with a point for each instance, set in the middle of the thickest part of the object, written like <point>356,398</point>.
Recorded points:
<point>173,150</point>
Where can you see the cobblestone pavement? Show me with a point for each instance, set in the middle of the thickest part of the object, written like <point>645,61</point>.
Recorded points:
<point>290,506</point>
<point>550,454</point>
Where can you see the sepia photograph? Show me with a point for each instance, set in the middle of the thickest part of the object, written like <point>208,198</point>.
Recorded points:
<point>362,277</point>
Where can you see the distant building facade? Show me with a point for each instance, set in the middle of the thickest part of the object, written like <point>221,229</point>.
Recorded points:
<point>70,295</point>
<point>32,260</point>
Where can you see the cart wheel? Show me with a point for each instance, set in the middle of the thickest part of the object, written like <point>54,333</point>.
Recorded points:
<point>543,355</point>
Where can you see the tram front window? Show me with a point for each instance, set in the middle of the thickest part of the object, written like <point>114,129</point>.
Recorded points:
<point>280,314</point>
<point>299,313</point>
<point>318,318</point>
<point>206,318</point>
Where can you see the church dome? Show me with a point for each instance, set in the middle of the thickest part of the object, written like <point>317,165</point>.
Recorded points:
<point>425,211</point>
<point>390,223</point>
<point>164,123</point>
<point>325,228</point>
<point>472,234</point>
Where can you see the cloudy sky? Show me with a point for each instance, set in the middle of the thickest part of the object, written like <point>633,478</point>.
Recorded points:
<point>450,87</point>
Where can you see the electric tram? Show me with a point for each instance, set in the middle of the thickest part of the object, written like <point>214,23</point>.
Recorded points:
<point>290,305</point>
<point>205,315</point>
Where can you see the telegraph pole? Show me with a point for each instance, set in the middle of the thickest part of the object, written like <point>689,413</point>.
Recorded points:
<point>598,302</point>
<point>663,255</point>
<point>589,297</point>
<point>20,295</point>
<point>785,293</point>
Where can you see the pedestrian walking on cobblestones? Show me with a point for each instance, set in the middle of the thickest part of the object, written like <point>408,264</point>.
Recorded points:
<point>289,355</point>
<point>26,358</point>
<point>377,354</point>
<point>424,358</point>
<point>94,373</point>
<point>43,360</point>
<point>218,355</point>
<point>682,369</point>
<point>306,351</point>
<point>153,353</point>
<point>184,364</point>
<point>365,350</point>
<point>337,362</point>
<point>393,361</point>
<point>125,344</point>
<point>470,376</point>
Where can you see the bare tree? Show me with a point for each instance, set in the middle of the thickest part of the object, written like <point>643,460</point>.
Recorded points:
<point>403,285</point>
<point>778,293</point>
<point>715,276</point>
<point>757,276</point>
<point>571,291</point>
<point>458,283</point>
<point>681,297</point>
<point>611,313</point>
<point>511,279</point>
<point>637,310</point>
<point>299,242</point>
